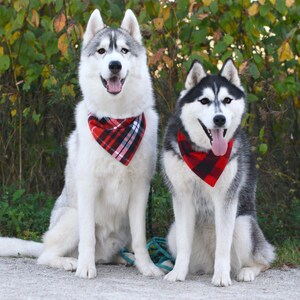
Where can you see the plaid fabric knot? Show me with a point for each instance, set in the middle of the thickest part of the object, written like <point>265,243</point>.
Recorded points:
<point>119,137</point>
<point>204,164</point>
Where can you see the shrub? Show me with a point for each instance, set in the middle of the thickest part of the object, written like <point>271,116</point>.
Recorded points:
<point>24,215</point>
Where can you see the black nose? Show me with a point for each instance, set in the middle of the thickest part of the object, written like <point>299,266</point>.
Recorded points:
<point>115,66</point>
<point>219,120</point>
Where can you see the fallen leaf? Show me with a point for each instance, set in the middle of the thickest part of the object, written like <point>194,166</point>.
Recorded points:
<point>156,57</point>
<point>203,16</point>
<point>285,52</point>
<point>68,90</point>
<point>35,18</point>
<point>60,22</point>
<point>14,37</point>
<point>165,12</point>
<point>13,99</point>
<point>217,35</point>
<point>243,67</point>
<point>158,23</point>
<point>63,43</point>
<point>253,9</point>
<point>289,3</point>
<point>13,112</point>
<point>207,2</point>
<point>168,61</point>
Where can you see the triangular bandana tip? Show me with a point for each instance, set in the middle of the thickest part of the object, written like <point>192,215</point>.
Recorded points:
<point>119,137</point>
<point>205,165</point>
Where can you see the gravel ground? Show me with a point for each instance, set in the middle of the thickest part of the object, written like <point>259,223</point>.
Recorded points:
<point>22,278</point>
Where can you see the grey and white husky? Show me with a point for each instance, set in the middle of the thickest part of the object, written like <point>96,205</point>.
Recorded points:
<point>211,173</point>
<point>103,204</point>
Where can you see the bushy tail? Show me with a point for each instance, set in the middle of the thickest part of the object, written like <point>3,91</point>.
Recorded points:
<point>18,247</point>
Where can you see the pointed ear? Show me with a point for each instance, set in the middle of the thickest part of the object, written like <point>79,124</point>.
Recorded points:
<point>230,72</point>
<point>95,24</point>
<point>195,75</point>
<point>131,25</point>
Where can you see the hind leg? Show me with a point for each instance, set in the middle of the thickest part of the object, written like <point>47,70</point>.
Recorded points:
<point>251,253</point>
<point>61,240</point>
<point>203,248</point>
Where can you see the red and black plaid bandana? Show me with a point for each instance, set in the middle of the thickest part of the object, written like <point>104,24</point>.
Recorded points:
<point>119,137</point>
<point>204,164</point>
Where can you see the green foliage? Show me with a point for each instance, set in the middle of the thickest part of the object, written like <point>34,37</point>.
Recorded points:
<point>161,208</point>
<point>24,215</point>
<point>278,216</point>
<point>288,254</point>
<point>39,53</point>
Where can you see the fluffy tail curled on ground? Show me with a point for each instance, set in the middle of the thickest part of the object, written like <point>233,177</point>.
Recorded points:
<point>18,247</point>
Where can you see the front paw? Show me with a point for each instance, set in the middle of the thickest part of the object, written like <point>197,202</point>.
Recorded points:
<point>148,269</point>
<point>86,269</point>
<point>221,278</point>
<point>177,274</point>
<point>70,264</point>
<point>246,274</point>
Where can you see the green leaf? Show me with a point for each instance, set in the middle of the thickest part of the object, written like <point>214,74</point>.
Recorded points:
<point>214,7</point>
<point>227,55</point>
<point>20,17</point>
<point>200,35</point>
<point>18,194</point>
<point>252,98</point>
<point>182,5</point>
<point>281,7</point>
<point>58,5</point>
<point>20,4</point>
<point>228,39</point>
<point>264,9</point>
<point>4,63</point>
<point>239,56</point>
<point>220,47</point>
<point>262,133</point>
<point>115,10</point>
<point>258,59</point>
<point>263,148</point>
<point>26,111</point>
<point>253,70</point>
<point>36,117</point>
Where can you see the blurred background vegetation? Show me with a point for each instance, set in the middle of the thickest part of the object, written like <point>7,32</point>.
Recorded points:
<point>40,43</point>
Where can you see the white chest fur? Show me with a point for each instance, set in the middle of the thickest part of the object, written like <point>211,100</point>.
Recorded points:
<point>185,182</point>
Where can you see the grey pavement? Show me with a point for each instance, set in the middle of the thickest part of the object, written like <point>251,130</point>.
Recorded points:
<point>22,278</point>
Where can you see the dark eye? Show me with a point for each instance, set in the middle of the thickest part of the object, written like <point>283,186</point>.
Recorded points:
<point>204,101</point>
<point>227,100</point>
<point>101,51</point>
<point>124,50</point>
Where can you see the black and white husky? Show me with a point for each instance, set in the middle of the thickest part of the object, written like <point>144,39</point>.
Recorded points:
<point>211,173</point>
<point>111,158</point>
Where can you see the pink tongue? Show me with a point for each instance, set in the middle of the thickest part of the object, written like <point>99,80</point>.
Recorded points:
<point>114,85</point>
<point>219,144</point>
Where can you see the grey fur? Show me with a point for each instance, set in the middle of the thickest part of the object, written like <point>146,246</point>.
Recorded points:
<point>113,35</point>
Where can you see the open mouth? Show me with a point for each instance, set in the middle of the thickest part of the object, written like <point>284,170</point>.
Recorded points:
<point>217,139</point>
<point>113,85</point>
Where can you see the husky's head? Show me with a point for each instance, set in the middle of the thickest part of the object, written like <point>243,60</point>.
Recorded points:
<point>111,61</point>
<point>212,106</point>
